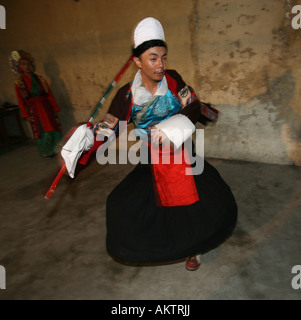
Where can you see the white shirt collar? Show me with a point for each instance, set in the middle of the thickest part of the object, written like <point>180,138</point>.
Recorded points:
<point>141,95</point>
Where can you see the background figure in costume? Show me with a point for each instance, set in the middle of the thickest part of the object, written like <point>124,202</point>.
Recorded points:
<point>36,103</point>
<point>195,213</point>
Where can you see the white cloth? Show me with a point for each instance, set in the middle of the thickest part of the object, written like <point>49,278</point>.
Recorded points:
<point>141,95</point>
<point>81,140</point>
<point>177,128</point>
<point>148,29</point>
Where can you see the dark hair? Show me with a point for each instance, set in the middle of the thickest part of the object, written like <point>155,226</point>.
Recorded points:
<point>146,45</point>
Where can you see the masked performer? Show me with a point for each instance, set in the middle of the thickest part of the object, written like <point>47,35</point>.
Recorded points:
<point>159,213</point>
<point>36,103</point>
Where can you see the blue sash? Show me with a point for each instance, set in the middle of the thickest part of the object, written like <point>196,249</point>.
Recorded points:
<point>157,110</point>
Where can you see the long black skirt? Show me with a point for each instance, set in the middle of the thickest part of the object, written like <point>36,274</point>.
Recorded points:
<point>140,231</point>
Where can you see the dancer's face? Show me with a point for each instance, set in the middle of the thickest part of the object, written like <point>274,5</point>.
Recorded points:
<point>25,66</point>
<point>152,63</point>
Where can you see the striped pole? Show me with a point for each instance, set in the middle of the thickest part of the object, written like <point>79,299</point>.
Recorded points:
<point>109,89</point>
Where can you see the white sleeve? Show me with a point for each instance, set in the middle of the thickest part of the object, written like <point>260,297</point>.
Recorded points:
<point>81,140</point>
<point>177,128</point>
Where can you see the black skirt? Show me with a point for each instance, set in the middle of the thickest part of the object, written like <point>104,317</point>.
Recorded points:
<point>139,231</point>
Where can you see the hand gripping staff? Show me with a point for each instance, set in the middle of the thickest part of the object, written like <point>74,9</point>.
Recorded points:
<point>89,124</point>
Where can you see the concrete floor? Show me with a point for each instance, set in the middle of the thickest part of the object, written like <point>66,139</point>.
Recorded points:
<point>55,249</point>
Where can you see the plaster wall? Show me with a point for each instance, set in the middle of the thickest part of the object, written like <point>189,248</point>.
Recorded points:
<point>241,56</point>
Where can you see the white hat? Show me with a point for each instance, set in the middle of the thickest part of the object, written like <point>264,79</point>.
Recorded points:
<point>148,29</point>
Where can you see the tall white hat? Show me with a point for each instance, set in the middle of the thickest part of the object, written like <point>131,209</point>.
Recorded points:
<point>148,29</point>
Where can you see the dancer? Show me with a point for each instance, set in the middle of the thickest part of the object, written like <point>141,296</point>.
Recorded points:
<point>158,213</point>
<point>37,103</point>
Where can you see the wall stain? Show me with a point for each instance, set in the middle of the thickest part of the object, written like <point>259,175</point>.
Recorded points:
<point>236,43</point>
<point>280,91</point>
<point>247,53</point>
<point>194,20</point>
<point>228,67</point>
<point>244,19</point>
